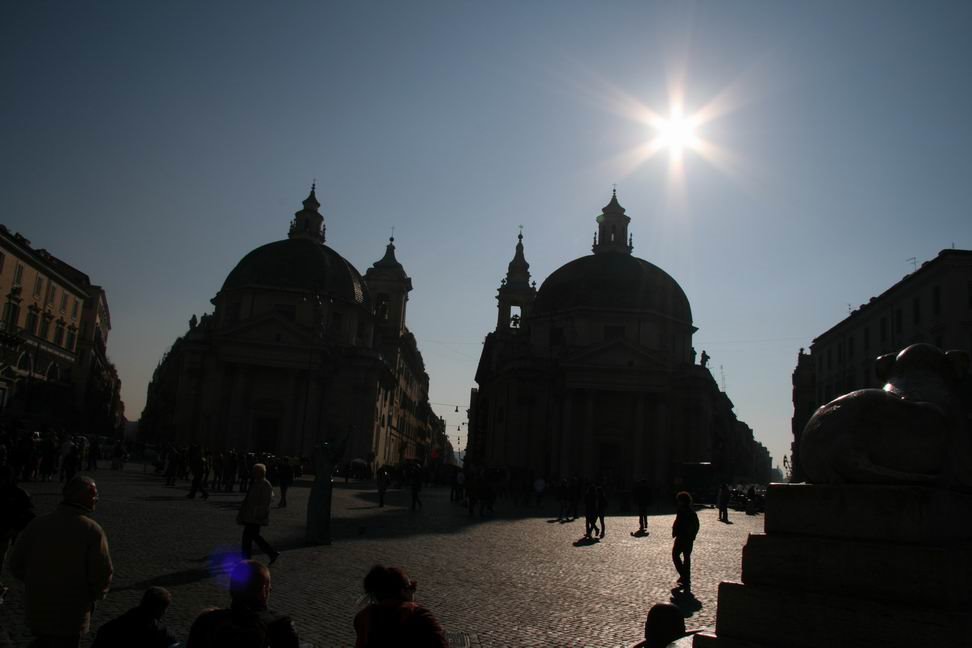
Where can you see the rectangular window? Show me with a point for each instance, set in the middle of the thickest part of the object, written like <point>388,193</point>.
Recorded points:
<point>916,310</point>
<point>11,316</point>
<point>38,286</point>
<point>58,333</point>
<point>18,274</point>
<point>884,329</point>
<point>71,338</point>
<point>64,300</point>
<point>898,321</point>
<point>31,325</point>
<point>45,327</point>
<point>51,292</point>
<point>937,300</point>
<point>74,308</point>
<point>3,257</point>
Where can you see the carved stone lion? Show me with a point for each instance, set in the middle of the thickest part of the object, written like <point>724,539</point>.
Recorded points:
<point>913,431</point>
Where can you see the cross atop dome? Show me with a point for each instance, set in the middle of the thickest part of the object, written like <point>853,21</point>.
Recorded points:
<point>308,222</point>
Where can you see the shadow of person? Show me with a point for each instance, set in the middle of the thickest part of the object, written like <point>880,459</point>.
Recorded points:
<point>586,542</point>
<point>686,602</point>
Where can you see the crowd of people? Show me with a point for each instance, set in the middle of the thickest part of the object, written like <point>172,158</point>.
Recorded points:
<point>64,561</point>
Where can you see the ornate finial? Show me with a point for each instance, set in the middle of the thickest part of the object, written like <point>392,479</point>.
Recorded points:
<point>391,239</point>
<point>614,190</point>
<point>521,233</point>
<point>314,185</point>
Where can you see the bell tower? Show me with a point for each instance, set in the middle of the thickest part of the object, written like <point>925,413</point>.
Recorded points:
<point>516,294</point>
<point>389,286</point>
<point>308,222</point>
<point>612,229</point>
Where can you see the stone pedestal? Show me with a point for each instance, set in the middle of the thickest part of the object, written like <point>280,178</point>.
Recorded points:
<point>854,566</point>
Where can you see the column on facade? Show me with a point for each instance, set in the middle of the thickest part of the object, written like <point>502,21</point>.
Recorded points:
<point>587,436</point>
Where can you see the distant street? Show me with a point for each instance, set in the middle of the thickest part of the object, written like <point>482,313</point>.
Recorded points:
<point>515,579</point>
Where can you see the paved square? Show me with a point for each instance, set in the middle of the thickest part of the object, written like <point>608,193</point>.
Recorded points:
<point>515,579</point>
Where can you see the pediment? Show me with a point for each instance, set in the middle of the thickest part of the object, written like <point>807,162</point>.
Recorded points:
<point>615,353</point>
<point>271,328</point>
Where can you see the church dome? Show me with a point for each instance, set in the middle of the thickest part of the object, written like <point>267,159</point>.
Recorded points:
<point>299,264</point>
<point>613,281</point>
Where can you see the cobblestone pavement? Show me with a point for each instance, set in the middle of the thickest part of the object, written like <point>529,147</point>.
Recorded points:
<point>514,579</point>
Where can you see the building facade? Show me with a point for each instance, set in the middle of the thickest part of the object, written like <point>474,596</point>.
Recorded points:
<point>54,366</point>
<point>594,375</point>
<point>300,347</point>
<point>931,305</point>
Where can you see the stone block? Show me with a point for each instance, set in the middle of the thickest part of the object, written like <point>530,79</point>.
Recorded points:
<point>873,570</point>
<point>895,514</point>
<point>796,619</point>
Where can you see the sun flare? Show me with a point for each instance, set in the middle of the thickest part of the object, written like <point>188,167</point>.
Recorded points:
<point>676,133</point>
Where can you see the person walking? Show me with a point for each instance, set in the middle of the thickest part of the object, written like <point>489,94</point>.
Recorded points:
<point>722,501</point>
<point>248,622</point>
<point>590,512</point>
<point>416,487</point>
<point>63,560</point>
<point>197,466</point>
<point>285,477</point>
<point>602,503</point>
<point>255,513</point>
<point>684,530</point>
<point>382,483</point>
<point>642,497</point>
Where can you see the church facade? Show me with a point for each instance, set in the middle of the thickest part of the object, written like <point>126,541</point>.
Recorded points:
<point>300,347</point>
<point>594,375</point>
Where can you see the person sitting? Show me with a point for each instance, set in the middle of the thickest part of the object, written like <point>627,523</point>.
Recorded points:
<point>393,618</point>
<point>140,626</point>
<point>248,623</point>
<point>663,625</point>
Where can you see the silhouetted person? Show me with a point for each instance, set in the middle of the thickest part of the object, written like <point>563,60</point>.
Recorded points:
<point>255,513</point>
<point>382,482</point>
<point>285,477</point>
<point>642,498</point>
<point>663,625</point>
<point>416,488</point>
<point>16,511</point>
<point>197,466</point>
<point>684,530</point>
<point>248,623</point>
<point>722,501</point>
<point>63,560</point>
<point>141,626</point>
<point>590,511</point>
<point>392,618</point>
<point>602,503</point>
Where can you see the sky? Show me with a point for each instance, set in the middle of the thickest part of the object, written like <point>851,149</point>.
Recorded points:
<point>152,145</point>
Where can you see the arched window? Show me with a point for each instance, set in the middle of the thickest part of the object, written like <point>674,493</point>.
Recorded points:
<point>53,373</point>
<point>24,362</point>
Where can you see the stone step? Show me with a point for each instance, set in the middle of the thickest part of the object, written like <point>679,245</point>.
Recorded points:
<point>895,514</point>
<point>795,619</point>
<point>875,570</point>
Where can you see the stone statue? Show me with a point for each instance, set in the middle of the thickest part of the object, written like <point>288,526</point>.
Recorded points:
<point>326,456</point>
<point>704,359</point>
<point>692,355</point>
<point>193,321</point>
<point>913,431</point>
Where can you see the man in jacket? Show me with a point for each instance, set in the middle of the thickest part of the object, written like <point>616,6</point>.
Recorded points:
<point>63,560</point>
<point>141,626</point>
<point>255,513</point>
<point>248,623</point>
<point>684,530</point>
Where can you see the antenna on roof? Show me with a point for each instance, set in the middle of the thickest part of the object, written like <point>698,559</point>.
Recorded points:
<point>722,375</point>
<point>914,263</point>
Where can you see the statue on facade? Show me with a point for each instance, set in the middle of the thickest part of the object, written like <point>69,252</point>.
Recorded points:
<point>913,431</point>
<point>193,321</point>
<point>326,456</point>
<point>704,359</point>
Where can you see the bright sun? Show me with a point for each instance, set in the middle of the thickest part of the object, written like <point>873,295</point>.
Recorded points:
<point>676,133</point>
